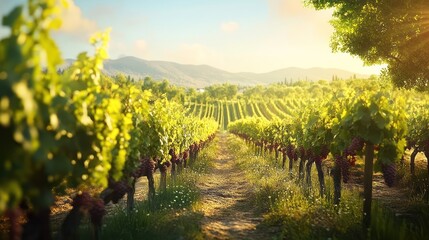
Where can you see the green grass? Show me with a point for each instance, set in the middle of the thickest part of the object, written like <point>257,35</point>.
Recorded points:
<point>169,216</point>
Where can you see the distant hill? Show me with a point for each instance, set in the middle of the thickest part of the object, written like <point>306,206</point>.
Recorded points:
<point>204,75</point>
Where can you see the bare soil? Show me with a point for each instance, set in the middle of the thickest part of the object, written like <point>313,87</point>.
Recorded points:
<point>226,200</point>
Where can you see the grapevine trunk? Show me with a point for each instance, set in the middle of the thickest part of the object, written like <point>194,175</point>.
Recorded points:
<point>130,196</point>
<point>70,225</point>
<point>301,170</point>
<point>308,173</point>
<point>151,186</point>
<point>412,162</point>
<point>367,185</point>
<point>336,174</point>
<point>321,177</point>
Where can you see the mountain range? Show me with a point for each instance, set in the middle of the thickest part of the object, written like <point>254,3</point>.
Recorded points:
<point>200,76</point>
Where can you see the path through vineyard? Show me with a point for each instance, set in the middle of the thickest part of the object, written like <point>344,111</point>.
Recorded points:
<point>227,208</point>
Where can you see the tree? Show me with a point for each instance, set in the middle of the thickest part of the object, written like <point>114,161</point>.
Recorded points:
<point>224,90</point>
<point>394,32</point>
<point>148,83</point>
<point>191,92</point>
<point>231,90</point>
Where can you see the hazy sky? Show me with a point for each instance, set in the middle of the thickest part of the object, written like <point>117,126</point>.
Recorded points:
<point>234,35</point>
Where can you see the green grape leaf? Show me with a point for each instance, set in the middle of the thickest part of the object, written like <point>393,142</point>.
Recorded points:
<point>12,18</point>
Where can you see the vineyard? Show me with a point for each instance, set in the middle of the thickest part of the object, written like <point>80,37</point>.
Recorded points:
<point>131,162</point>
<point>364,123</point>
<point>227,111</point>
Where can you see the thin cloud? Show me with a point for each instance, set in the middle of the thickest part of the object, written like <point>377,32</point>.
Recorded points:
<point>301,19</point>
<point>229,27</point>
<point>140,48</point>
<point>289,8</point>
<point>194,54</point>
<point>137,48</point>
<point>296,8</point>
<point>75,24</point>
<point>140,45</point>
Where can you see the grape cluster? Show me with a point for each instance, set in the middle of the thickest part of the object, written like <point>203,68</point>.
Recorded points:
<point>276,146</point>
<point>147,167</point>
<point>352,160</point>
<point>290,152</point>
<point>295,155</point>
<point>389,173</point>
<point>355,146</point>
<point>344,165</point>
<point>193,150</point>
<point>324,151</point>
<point>185,155</point>
<point>349,157</point>
<point>323,154</point>
<point>97,211</point>
<point>83,201</point>
<point>171,152</point>
<point>302,153</point>
<point>163,166</point>
<point>93,206</point>
<point>119,190</point>
<point>174,158</point>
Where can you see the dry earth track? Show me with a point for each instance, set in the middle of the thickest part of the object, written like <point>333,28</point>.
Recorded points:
<point>226,200</point>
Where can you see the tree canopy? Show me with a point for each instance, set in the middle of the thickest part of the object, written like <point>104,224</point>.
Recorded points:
<point>227,91</point>
<point>164,87</point>
<point>395,32</point>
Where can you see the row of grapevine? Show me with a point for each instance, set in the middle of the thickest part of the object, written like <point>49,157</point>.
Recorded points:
<point>265,110</point>
<point>369,119</point>
<point>225,112</point>
<point>275,110</point>
<point>253,109</point>
<point>239,110</point>
<point>286,107</point>
<point>226,116</point>
<point>78,129</point>
<point>233,112</point>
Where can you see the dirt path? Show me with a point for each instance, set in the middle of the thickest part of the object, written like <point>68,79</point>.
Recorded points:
<point>228,213</point>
